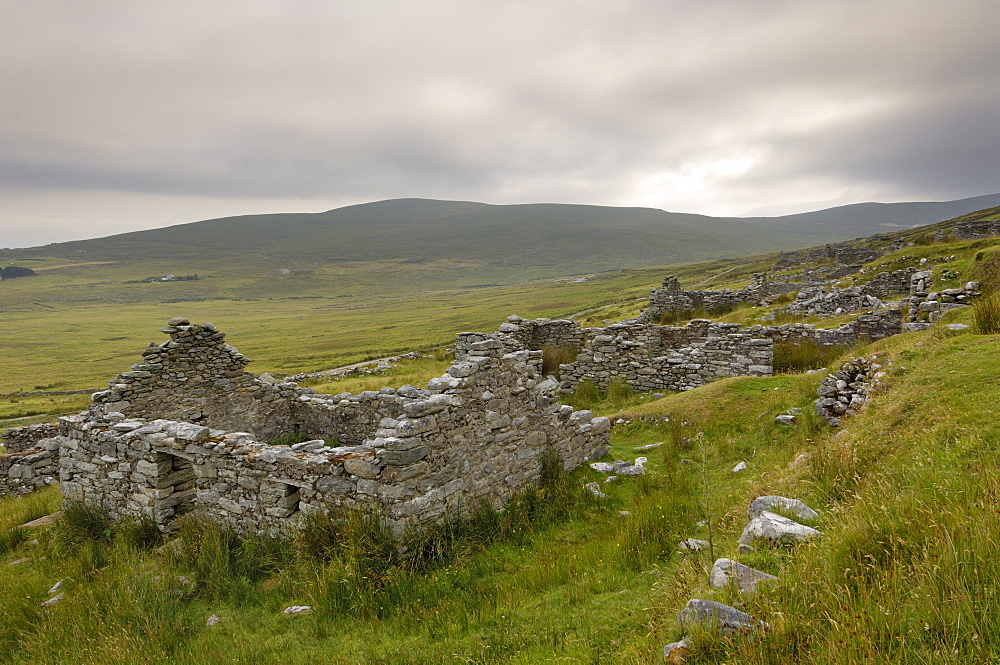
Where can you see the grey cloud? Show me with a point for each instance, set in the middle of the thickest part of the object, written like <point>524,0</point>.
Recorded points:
<point>502,102</point>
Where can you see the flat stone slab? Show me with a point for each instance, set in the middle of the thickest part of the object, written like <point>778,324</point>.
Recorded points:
<point>772,502</point>
<point>726,572</point>
<point>777,529</point>
<point>47,520</point>
<point>723,618</point>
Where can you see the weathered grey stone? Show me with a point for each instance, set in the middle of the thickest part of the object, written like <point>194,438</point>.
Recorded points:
<point>692,545</point>
<point>726,572</point>
<point>723,618</point>
<point>776,529</point>
<point>676,653</point>
<point>770,503</point>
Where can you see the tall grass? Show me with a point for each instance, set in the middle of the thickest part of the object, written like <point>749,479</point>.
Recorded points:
<point>986,314</point>
<point>617,396</point>
<point>803,353</point>
<point>554,356</point>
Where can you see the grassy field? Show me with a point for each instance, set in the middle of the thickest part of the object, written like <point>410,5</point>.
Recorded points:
<point>906,496</point>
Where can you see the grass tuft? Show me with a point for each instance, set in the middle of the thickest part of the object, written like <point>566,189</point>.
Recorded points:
<point>554,356</point>
<point>800,354</point>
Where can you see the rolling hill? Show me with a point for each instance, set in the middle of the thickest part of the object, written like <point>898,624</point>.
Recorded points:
<point>516,241</point>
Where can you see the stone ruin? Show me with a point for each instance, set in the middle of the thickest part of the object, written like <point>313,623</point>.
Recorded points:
<point>187,430</point>
<point>30,459</point>
<point>670,298</point>
<point>653,357</point>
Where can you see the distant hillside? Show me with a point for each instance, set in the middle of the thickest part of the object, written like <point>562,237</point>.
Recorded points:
<point>519,240</point>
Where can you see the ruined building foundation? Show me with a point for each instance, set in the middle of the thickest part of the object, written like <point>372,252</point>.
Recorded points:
<point>186,430</point>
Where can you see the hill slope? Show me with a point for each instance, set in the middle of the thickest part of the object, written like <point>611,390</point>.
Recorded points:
<point>526,240</point>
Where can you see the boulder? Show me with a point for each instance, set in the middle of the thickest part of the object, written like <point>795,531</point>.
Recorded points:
<point>777,529</point>
<point>723,618</point>
<point>726,572</point>
<point>791,506</point>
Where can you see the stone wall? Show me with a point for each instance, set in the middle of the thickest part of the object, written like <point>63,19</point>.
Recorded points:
<point>925,304</point>
<point>886,284</point>
<point>25,471</point>
<point>19,439</point>
<point>617,356</point>
<point>196,377</point>
<point>478,433</point>
<point>653,357</point>
<point>975,230</point>
<point>832,301</point>
<point>671,298</point>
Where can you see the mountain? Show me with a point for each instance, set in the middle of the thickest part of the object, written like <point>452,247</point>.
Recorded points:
<point>517,241</point>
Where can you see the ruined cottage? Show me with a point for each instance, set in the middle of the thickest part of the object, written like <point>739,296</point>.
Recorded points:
<point>188,429</point>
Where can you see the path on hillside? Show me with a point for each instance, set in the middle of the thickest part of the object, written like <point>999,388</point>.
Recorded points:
<point>709,279</point>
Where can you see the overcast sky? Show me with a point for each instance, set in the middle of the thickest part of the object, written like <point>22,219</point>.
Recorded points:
<point>121,115</point>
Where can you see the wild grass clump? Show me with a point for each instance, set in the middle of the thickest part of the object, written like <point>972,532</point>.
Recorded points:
<point>617,396</point>
<point>553,356</point>
<point>224,565</point>
<point>366,572</point>
<point>619,393</point>
<point>290,438</point>
<point>800,354</point>
<point>11,539</point>
<point>82,523</point>
<point>784,299</point>
<point>986,314</point>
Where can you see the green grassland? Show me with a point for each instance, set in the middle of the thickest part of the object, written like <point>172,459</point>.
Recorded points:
<point>906,495</point>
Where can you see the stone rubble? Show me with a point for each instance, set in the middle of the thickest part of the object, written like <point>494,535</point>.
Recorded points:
<point>846,391</point>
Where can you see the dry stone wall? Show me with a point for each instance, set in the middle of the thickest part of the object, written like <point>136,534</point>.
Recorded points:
<point>33,468</point>
<point>926,304</point>
<point>478,433</point>
<point>652,357</point>
<point>610,357</point>
<point>886,284</point>
<point>671,298</point>
<point>832,301</point>
<point>19,439</point>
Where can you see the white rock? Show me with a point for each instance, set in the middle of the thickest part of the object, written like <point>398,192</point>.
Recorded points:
<point>777,529</point>
<point>771,502</point>
<point>739,467</point>
<point>53,600</point>
<point>298,609</point>
<point>726,572</point>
